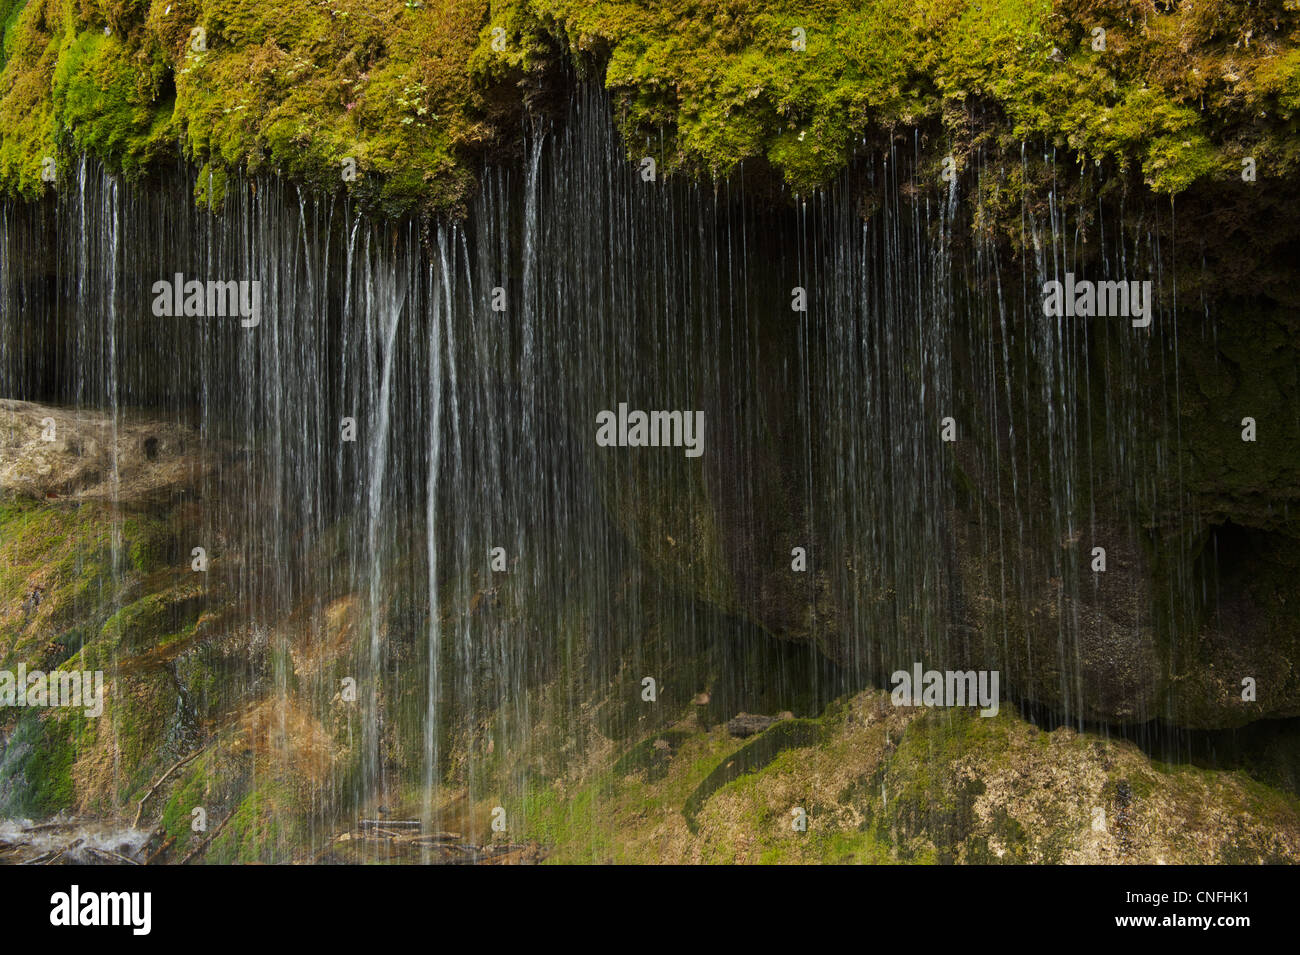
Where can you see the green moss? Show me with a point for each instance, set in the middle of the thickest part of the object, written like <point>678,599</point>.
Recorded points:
<point>255,833</point>
<point>579,826</point>
<point>651,756</point>
<point>931,804</point>
<point>26,109</point>
<point>154,620</point>
<point>736,88</point>
<point>36,768</point>
<point>190,793</point>
<point>9,10</point>
<point>828,846</point>
<point>148,544</point>
<point>108,99</point>
<point>417,93</point>
<point>67,552</point>
<point>751,758</point>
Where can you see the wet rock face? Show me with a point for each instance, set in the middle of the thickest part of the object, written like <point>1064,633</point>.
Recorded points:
<point>98,516</point>
<point>1134,562</point>
<point>49,453</point>
<point>749,724</point>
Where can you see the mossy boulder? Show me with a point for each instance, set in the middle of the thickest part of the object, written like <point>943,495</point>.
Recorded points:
<point>879,783</point>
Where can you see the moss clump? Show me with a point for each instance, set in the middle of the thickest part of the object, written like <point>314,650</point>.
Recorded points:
<point>150,544</point>
<point>154,620</point>
<point>82,587</point>
<point>36,764</point>
<point>415,93</point>
<point>800,85</point>
<point>651,756</point>
<point>109,100</point>
<point>879,783</point>
<point>65,554</point>
<point>750,758</point>
<point>254,832</point>
<point>9,10</point>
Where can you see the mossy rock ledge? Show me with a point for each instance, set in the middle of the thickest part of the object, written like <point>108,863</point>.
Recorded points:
<point>413,94</point>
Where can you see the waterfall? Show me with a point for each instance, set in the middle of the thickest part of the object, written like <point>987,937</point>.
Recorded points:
<point>511,582</point>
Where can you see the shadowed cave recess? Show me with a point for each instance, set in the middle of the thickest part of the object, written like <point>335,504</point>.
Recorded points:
<point>430,599</point>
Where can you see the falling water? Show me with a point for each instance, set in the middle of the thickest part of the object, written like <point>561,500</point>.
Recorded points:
<point>511,582</point>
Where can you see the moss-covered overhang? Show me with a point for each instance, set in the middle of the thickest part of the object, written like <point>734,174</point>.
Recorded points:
<point>416,92</point>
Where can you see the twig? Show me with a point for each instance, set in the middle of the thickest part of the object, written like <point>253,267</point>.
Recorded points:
<point>116,857</point>
<point>202,846</point>
<point>390,824</point>
<point>162,779</point>
<point>160,851</point>
<point>47,826</point>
